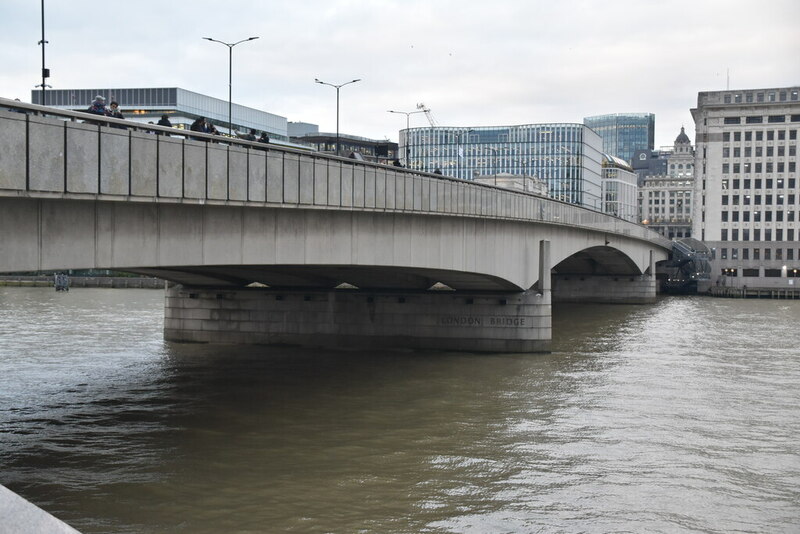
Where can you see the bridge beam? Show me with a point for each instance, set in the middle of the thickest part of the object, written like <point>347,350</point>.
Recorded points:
<point>428,320</point>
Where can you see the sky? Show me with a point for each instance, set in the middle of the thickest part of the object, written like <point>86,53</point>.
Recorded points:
<point>497,63</point>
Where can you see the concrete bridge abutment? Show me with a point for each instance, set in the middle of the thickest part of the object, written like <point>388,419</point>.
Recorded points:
<point>606,288</point>
<point>427,320</point>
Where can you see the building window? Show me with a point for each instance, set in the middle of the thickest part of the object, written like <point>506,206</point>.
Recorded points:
<point>754,119</point>
<point>745,254</point>
<point>768,254</point>
<point>732,120</point>
<point>724,216</point>
<point>749,272</point>
<point>724,237</point>
<point>756,253</point>
<point>776,118</point>
<point>759,135</point>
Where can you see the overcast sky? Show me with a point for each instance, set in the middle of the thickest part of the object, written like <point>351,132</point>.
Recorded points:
<point>472,63</point>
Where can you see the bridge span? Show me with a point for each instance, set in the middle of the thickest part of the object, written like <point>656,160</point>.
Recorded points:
<point>269,244</point>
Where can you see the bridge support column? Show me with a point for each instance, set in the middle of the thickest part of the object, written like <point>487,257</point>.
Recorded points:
<point>438,320</point>
<point>616,289</point>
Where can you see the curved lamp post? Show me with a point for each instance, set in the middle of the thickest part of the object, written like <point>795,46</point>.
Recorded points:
<point>230,76</point>
<point>337,87</point>
<point>407,114</point>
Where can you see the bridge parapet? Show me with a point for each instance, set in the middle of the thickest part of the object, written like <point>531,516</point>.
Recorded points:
<point>53,153</point>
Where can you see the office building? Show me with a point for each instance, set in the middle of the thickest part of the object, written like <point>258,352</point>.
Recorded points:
<point>666,183</point>
<point>620,191</point>
<point>566,157</point>
<point>624,133</point>
<point>148,104</point>
<point>746,187</point>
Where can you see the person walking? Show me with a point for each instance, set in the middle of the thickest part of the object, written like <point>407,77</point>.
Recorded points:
<point>98,107</point>
<point>164,121</point>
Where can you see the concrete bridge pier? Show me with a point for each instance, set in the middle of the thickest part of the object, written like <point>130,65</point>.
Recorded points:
<point>437,320</point>
<point>606,288</point>
<point>477,321</point>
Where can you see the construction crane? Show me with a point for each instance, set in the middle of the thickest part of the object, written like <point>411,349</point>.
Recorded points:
<point>428,114</point>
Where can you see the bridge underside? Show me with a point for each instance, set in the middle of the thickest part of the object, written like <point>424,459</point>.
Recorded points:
<point>326,277</point>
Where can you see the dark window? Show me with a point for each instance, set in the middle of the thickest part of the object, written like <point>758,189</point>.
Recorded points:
<point>759,135</point>
<point>768,254</point>
<point>767,237</point>
<point>735,216</point>
<point>735,236</point>
<point>724,216</point>
<point>753,119</point>
<point>726,136</point>
<point>733,120</point>
<point>747,183</point>
<point>756,253</point>
<point>737,136</point>
<point>771,273</point>
<point>770,135</point>
<point>758,168</point>
<point>776,118</point>
<point>749,272</point>
<point>769,183</point>
<point>745,253</point>
<point>745,237</point>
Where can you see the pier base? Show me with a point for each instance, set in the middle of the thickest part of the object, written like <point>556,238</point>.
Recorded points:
<point>610,289</point>
<point>439,320</point>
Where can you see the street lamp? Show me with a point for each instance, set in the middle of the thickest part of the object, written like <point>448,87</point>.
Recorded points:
<point>408,115</point>
<point>45,71</point>
<point>337,87</point>
<point>230,76</point>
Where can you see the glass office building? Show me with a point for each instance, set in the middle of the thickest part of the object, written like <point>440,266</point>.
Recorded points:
<point>567,157</point>
<point>148,104</point>
<point>624,133</point>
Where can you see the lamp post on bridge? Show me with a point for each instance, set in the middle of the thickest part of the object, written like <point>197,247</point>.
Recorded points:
<point>408,115</point>
<point>230,76</point>
<point>337,87</point>
<point>45,71</point>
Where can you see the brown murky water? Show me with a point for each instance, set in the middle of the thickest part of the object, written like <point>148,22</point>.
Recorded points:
<point>681,416</point>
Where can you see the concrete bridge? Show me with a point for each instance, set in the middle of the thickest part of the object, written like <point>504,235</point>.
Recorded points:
<point>268,244</point>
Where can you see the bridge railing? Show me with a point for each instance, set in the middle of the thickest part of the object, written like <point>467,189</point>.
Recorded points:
<point>49,152</point>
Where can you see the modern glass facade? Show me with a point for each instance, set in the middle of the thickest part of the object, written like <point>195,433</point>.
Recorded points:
<point>624,133</point>
<point>567,157</point>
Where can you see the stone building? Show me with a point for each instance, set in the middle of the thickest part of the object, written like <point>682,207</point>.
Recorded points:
<point>746,188</point>
<point>665,196</point>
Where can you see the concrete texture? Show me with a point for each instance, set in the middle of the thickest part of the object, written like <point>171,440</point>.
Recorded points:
<point>114,161</point>
<point>19,516</point>
<point>12,150</point>
<point>435,320</point>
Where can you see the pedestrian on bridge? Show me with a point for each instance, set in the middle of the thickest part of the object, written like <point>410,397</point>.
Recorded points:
<point>98,107</point>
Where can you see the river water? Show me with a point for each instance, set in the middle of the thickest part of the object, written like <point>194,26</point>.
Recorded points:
<point>683,416</point>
